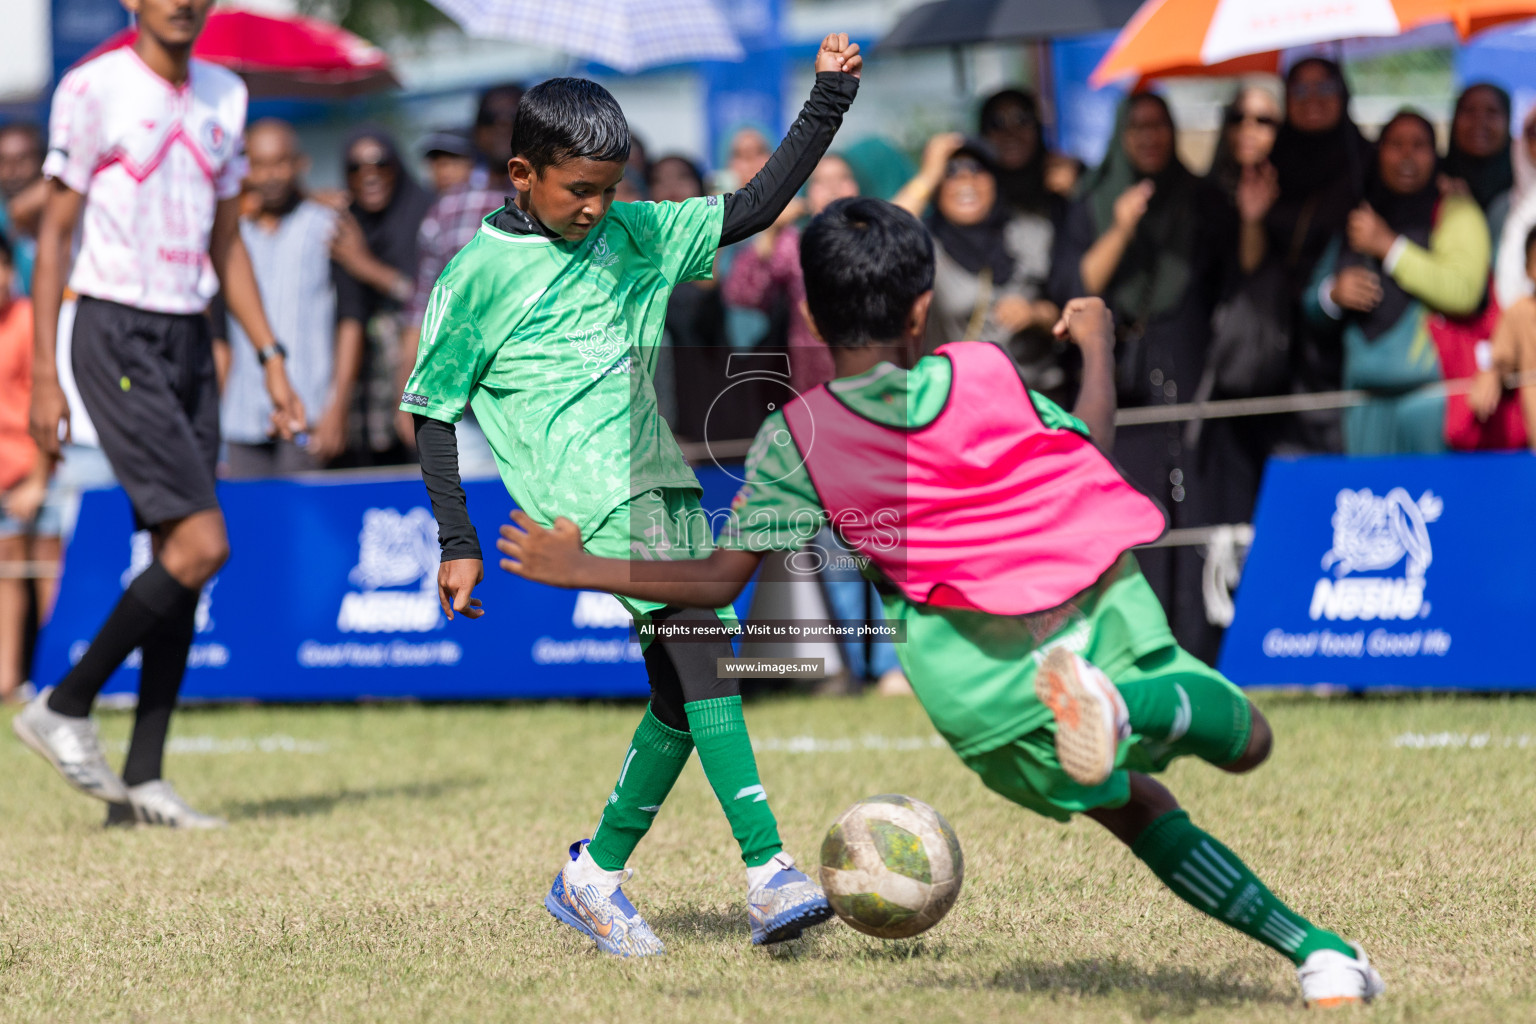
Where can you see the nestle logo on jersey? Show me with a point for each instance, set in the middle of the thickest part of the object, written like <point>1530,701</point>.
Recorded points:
<point>182,257</point>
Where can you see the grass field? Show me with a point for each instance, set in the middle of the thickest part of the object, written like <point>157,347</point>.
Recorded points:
<point>388,864</point>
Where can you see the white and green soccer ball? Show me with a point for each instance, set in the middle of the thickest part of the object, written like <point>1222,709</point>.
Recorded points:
<point>891,866</point>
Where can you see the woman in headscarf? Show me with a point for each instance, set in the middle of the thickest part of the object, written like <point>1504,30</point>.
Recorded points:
<point>1251,326</point>
<point>992,262</point>
<point>1321,162</point>
<point>1010,124</point>
<point>375,252</point>
<point>1479,154</point>
<point>1406,255</point>
<point>1138,237</point>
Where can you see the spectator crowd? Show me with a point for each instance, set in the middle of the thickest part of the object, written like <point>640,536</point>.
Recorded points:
<point>1306,260</point>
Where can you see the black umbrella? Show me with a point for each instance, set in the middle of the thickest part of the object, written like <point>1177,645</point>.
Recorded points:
<point>966,22</point>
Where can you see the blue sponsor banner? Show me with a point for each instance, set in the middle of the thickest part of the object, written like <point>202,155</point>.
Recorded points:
<point>331,594</point>
<point>1397,572</point>
<point>748,93</point>
<point>79,26</point>
<point>1085,116</point>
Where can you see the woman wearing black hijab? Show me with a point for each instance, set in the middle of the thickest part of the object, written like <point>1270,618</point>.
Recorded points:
<point>1479,154</point>
<point>1409,260</point>
<point>1010,124</point>
<point>992,262</point>
<point>375,254</point>
<point>1321,162</point>
<point>1252,322</point>
<point>1138,235</point>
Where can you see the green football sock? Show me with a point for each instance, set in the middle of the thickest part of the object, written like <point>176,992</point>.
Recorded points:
<point>1209,877</point>
<point>655,759</point>
<point>725,751</point>
<point>1191,714</point>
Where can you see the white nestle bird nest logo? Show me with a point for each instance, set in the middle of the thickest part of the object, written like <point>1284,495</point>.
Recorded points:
<point>598,346</point>
<point>1373,532</point>
<point>396,549</point>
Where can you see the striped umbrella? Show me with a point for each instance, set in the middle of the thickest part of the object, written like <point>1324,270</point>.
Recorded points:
<point>626,35</point>
<point>1221,37</point>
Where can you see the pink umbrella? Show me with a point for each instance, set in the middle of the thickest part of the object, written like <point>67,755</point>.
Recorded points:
<point>285,56</point>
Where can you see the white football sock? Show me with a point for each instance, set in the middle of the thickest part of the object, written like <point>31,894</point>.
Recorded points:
<point>585,871</point>
<point>763,874</point>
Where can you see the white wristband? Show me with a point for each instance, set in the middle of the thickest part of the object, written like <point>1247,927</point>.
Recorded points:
<point>1389,261</point>
<point>1325,299</point>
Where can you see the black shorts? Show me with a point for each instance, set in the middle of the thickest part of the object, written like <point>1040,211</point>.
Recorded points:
<point>148,382</point>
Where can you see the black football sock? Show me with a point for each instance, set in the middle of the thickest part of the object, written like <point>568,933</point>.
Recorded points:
<point>164,665</point>
<point>152,596</point>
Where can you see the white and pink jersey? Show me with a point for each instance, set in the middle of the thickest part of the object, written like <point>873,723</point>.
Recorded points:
<point>152,160</point>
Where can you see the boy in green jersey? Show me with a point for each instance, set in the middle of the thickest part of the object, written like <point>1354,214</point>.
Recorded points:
<point>1064,708</point>
<point>547,323</point>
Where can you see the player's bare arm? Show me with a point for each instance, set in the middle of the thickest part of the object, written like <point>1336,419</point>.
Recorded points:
<point>554,555</point>
<point>1087,323</point>
<point>50,409</point>
<point>233,265</point>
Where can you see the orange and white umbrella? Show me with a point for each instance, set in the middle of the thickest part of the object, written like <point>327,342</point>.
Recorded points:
<point>1209,37</point>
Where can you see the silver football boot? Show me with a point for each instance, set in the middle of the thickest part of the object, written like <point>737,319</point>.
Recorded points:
<point>72,746</point>
<point>157,803</point>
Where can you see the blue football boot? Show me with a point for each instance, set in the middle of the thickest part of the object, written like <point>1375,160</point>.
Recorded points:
<point>786,905</point>
<point>609,920</point>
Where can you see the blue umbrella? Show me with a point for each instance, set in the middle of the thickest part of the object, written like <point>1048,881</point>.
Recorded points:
<point>627,35</point>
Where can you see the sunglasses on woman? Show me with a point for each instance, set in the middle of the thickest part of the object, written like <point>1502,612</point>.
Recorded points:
<point>381,164</point>
<point>1317,91</point>
<point>1011,119</point>
<point>1237,117</point>
<point>963,165</point>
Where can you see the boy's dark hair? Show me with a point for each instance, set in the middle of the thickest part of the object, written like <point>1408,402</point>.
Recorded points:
<point>865,263</point>
<point>569,119</point>
<point>1530,243</point>
<point>7,256</point>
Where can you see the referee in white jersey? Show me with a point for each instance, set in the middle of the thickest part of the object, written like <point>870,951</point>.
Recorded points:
<point>145,157</point>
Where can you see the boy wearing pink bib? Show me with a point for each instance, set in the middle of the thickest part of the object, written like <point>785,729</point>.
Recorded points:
<point>999,535</point>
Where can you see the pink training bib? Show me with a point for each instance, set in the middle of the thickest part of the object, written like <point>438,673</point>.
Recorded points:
<point>985,507</point>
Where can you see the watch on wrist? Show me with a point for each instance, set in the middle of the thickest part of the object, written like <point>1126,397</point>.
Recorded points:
<point>271,351</point>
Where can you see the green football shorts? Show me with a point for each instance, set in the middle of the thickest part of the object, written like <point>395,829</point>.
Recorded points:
<point>1025,770</point>
<point>661,525</point>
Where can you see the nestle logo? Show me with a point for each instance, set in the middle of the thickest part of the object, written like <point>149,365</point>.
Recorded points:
<point>410,399</point>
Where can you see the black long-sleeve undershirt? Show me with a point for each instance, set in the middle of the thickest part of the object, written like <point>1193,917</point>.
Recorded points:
<point>756,205</point>
<point>748,210</point>
<point>439,450</point>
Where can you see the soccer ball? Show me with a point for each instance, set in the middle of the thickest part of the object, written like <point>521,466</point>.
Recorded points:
<point>891,866</point>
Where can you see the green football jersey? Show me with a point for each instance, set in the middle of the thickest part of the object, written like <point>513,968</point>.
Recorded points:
<point>972,671</point>
<point>554,345</point>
